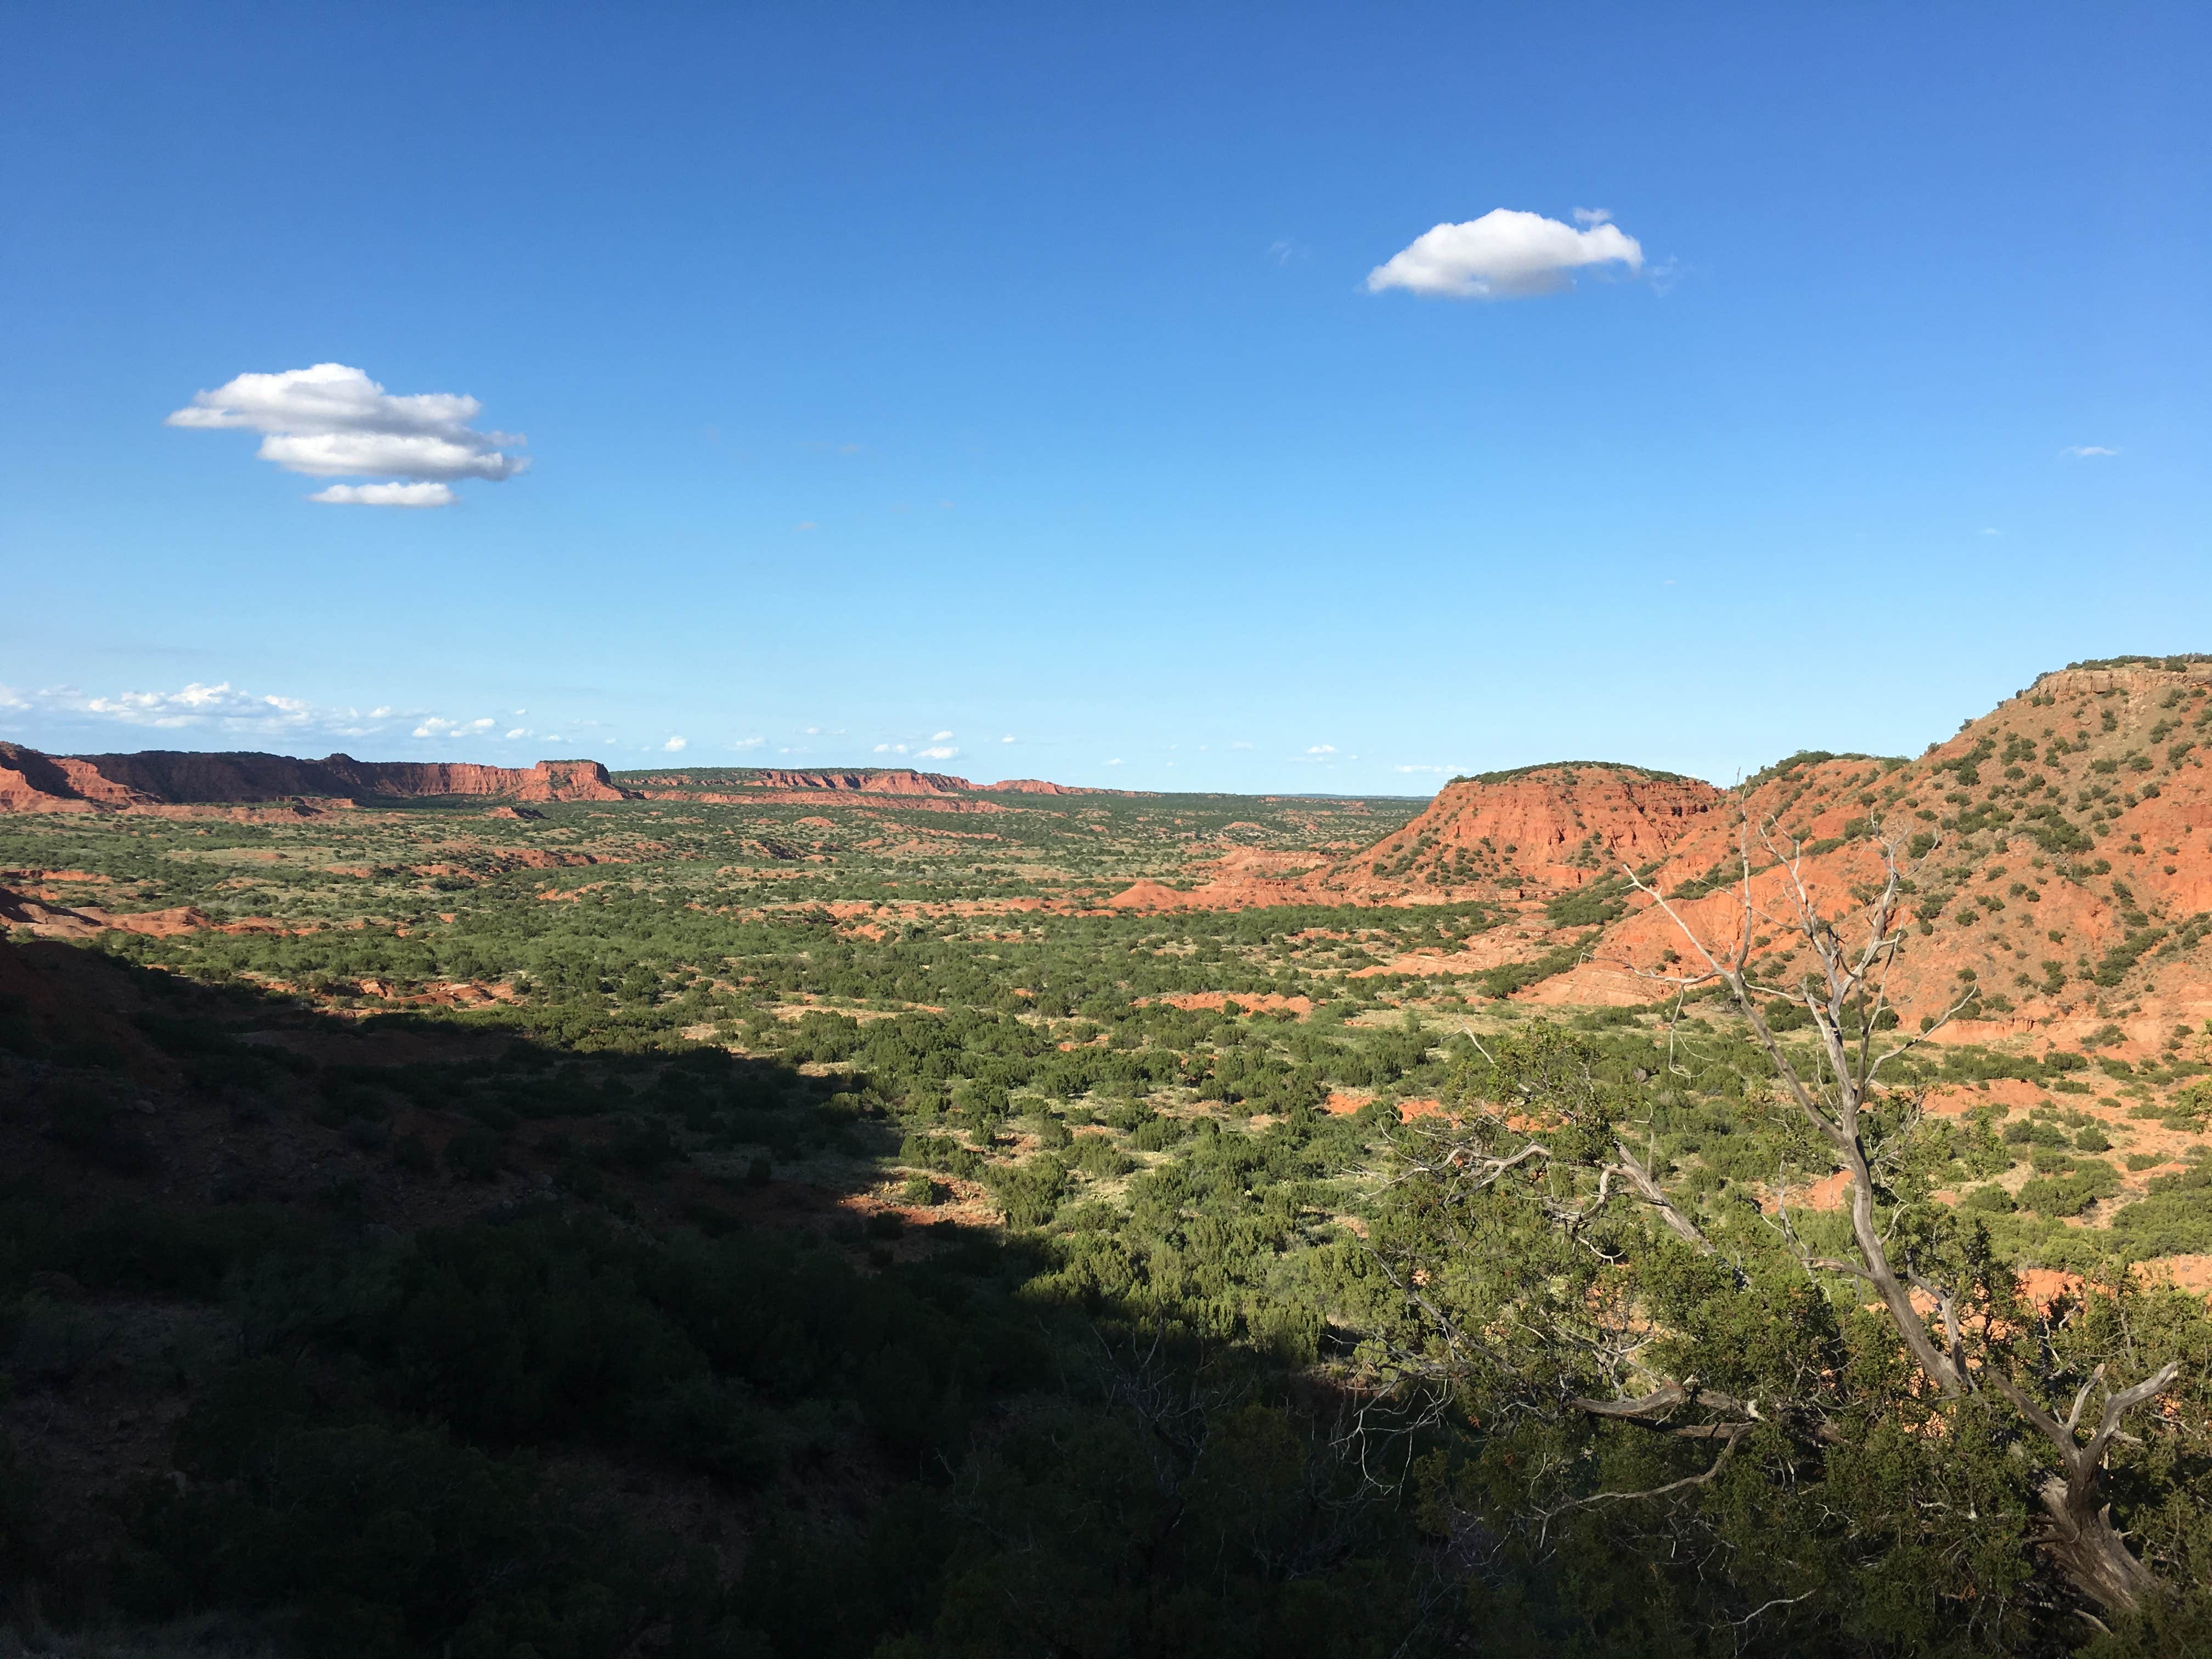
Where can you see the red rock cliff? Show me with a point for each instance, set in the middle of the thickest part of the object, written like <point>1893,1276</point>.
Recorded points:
<point>32,782</point>
<point>1556,825</point>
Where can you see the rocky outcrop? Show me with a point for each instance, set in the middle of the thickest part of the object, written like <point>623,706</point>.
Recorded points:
<point>777,782</point>
<point>2058,852</point>
<point>1039,786</point>
<point>1551,826</point>
<point>868,781</point>
<point>571,780</point>
<point>34,782</point>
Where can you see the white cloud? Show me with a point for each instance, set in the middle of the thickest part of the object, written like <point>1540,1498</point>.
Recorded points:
<point>674,745</point>
<point>1593,217</point>
<point>1420,768</point>
<point>435,726</point>
<point>221,708</point>
<point>1116,761</point>
<point>333,421</point>
<point>936,751</point>
<point>748,743</point>
<point>940,737</point>
<point>1009,738</point>
<point>385,495</point>
<point>1990,530</point>
<point>1505,254</point>
<point>517,732</point>
<point>195,704</point>
<point>2085,452</point>
<point>1322,749</point>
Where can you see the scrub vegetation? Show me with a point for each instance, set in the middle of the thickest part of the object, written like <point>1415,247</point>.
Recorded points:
<point>762,1229</point>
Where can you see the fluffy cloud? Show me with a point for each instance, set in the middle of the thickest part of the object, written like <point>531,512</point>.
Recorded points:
<point>437,727</point>
<point>194,705</point>
<point>385,495</point>
<point>674,745</point>
<point>333,421</point>
<point>221,707</point>
<point>1505,255</point>
<point>936,751</point>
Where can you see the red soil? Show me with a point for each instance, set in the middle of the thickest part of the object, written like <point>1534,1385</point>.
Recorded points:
<point>2132,796</point>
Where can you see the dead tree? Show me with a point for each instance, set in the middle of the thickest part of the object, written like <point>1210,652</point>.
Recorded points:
<point>1844,992</point>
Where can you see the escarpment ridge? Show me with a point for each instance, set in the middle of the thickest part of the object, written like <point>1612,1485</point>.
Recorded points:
<point>32,782</point>
<point>764,782</point>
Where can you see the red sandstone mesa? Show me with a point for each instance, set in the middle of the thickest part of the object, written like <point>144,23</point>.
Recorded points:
<point>34,782</point>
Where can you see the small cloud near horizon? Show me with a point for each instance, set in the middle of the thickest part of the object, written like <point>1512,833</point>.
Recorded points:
<point>222,715</point>
<point>385,495</point>
<point>1506,254</point>
<point>2085,452</point>
<point>331,420</point>
<point>674,745</point>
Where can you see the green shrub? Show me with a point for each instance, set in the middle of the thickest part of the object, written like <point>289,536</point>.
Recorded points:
<point>1030,1193</point>
<point>2175,1218</point>
<point>2072,1193</point>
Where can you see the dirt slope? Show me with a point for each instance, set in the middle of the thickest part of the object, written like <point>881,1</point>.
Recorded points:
<point>2053,845</point>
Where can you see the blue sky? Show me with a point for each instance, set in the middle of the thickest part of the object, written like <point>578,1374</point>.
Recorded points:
<point>900,380</point>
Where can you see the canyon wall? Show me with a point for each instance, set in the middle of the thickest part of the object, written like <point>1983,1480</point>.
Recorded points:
<point>31,781</point>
